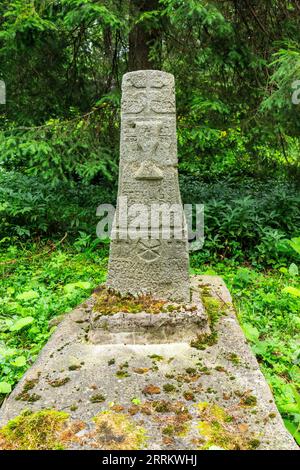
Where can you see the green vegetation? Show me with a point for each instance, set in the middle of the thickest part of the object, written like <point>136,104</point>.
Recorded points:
<point>236,65</point>
<point>38,282</point>
<point>214,309</point>
<point>237,127</point>
<point>216,427</point>
<point>168,388</point>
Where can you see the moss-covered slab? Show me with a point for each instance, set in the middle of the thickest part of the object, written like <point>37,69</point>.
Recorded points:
<point>143,319</point>
<point>196,389</point>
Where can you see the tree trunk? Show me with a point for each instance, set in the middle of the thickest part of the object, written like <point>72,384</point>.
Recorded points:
<point>141,39</point>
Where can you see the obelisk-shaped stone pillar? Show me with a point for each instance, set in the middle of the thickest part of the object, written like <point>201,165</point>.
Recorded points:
<point>154,261</point>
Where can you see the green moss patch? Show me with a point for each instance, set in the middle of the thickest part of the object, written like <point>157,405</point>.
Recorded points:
<point>34,431</point>
<point>234,358</point>
<point>176,424</point>
<point>29,397</point>
<point>97,398</point>
<point>59,382</point>
<point>156,357</point>
<point>249,400</point>
<point>121,374</point>
<point>218,429</point>
<point>24,395</point>
<point>169,388</point>
<point>118,432</point>
<point>203,340</point>
<point>214,309</point>
<point>109,302</point>
<point>30,384</point>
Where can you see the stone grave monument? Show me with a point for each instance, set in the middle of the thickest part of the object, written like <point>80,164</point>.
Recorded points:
<point>171,375</point>
<point>156,260</point>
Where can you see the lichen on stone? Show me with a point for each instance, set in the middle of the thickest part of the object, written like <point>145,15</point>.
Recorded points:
<point>110,302</point>
<point>219,429</point>
<point>169,388</point>
<point>59,382</point>
<point>116,431</point>
<point>214,308</point>
<point>29,397</point>
<point>233,358</point>
<point>97,398</point>
<point>151,390</point>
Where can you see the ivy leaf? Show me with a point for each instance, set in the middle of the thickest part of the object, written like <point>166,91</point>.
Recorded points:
<point>21,323</point>
<point>292,290</point>
<point>6,352</point>
<point>295,244</point>
<point>29,295</point>
<point>69,288</point>
<point>251,332</point>
<point>289,408</point>
<point>293,270</point>
<point>5,387</point>
<point>20,361</point>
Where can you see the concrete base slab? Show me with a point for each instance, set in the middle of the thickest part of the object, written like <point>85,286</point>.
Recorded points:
<point>178,396</point>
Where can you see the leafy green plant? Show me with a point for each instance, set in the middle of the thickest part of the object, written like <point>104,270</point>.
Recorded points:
<point>246,219</point>
<point>293,269</point>
<point>36,285</point>
<point>271,322</point>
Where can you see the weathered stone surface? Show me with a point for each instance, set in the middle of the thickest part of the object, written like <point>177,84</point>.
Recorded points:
<point>177,322</point>
<point>148,175</point>
<point>169,389</point>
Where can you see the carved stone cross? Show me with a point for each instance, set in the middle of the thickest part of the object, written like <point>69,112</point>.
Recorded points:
<point>156,260</point>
